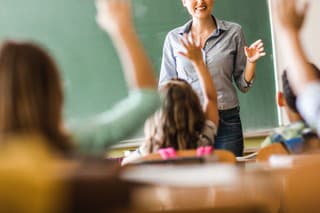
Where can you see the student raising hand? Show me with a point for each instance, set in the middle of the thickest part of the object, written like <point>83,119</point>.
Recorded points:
<point>113,125</point>
<point>182,122</point>
<point>114,16</point>
<point>193,52</point>
<point>288,22</point>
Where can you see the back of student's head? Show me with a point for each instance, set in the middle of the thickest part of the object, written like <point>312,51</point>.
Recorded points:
<point>31,96</point>
<point>289,95</point>
<point>180,120</point>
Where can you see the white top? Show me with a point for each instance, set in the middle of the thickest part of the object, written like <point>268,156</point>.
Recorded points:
<point>309,105</point>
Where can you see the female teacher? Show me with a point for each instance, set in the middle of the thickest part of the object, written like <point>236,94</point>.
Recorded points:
<point>226,56</point>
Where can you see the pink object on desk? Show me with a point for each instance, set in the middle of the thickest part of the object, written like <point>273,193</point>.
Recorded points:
<point>204,150</point>
<point>167,153</point>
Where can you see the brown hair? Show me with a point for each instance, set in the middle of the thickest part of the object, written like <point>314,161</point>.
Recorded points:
<point>180,120</point>
<point>31,96</point>
<point>288,92</point>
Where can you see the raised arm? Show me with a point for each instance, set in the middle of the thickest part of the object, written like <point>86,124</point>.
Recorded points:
<point>96,134</point>
<point>245,61</point>
<point>303,79</point>
<point>114,16</point>
<point>194,54</point>
<point>288,22</point>
<point>253,54</point>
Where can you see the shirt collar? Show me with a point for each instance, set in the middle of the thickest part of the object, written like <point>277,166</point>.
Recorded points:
<point>221,26</point>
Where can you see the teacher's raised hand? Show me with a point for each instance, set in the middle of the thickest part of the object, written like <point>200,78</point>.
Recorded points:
<point>255,51</point>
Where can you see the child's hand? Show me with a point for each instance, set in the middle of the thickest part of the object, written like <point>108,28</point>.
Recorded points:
<point>192,48</point>
<point>287,16</point>
<point>255,51</point>
<point>114,15</point>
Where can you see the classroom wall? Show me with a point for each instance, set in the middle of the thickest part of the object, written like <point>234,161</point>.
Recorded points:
<point>310,39</point>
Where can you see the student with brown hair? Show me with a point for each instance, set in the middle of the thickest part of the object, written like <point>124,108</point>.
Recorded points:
<point>31,96</point>
<point>182,123</point>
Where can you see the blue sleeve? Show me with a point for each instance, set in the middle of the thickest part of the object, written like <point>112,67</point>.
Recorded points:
<point>240,63</point>
<point>96,134</point>
<point>168,64</point>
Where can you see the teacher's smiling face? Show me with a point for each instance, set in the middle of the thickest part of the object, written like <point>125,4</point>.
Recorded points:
<point>199,8</point>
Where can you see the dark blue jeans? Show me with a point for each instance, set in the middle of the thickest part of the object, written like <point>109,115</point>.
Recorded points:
<point>229,135</point>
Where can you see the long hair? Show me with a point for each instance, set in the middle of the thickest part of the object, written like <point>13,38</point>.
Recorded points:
<point>180,120</point>
<point>31,96</point>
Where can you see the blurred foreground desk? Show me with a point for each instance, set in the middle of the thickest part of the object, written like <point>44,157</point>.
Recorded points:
<point>94,186</point>
<point>201,188</point>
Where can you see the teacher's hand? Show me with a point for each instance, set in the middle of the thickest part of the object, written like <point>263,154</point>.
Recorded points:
<point>255,51</point>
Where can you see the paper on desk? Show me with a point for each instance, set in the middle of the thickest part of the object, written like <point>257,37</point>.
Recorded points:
<point>247,157</point>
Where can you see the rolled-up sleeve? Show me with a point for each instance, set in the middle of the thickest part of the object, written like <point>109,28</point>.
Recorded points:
<point>240,63</point>
<point>96,134</point>
<point>309,105</point>
<point>208,133</point>
<point>168,64</point>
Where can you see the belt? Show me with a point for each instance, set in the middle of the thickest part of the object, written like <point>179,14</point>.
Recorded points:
<point>232,110</point>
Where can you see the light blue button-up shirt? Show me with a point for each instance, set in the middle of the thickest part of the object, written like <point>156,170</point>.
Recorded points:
<point>223,53</point>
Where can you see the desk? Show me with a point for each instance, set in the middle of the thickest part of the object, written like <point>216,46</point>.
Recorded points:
<point>201,187</point>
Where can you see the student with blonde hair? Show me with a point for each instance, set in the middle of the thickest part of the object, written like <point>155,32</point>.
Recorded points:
<point>31,96</point>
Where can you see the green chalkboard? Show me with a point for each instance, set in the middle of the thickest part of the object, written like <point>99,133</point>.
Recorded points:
<point>92,75</point>
<point>258,106</point>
